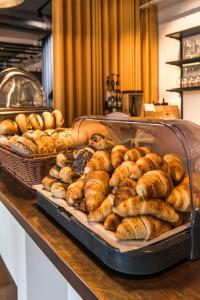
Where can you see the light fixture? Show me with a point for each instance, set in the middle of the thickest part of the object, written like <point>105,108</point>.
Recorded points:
<point>10,3</point>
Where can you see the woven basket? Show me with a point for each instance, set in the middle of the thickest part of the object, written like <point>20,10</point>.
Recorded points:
<point>28,170</point>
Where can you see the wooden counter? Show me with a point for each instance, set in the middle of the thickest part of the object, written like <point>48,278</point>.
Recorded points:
<point>89,277</point>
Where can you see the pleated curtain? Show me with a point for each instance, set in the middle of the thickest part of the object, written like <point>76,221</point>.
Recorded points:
<point>93,38</point>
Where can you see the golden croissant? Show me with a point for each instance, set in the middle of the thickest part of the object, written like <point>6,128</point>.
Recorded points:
<point>75,191</point>
<point>112,221</point>
<point>136,153</point>
<point>134,206</point>
<point>125,189</point>
<point>176,166</point>
<point>96,188</point>
<point>100,161</point>
<point>141,227</point>
<point>122,172</point>
<point>180,198</point>
<point>100,214</point>
<point>117,155</point>
<point>154,184</point>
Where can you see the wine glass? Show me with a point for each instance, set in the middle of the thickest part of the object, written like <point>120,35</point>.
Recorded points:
<point>197,48</point>
<point>188,49</point>
<point>184,82</point>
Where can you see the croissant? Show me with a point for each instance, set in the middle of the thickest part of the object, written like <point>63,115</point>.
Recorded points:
<point>117,155</point>
<point>100,214</point>
<point>176,166</point>
<point>142,227</point>
<point>100,142</point>
<point>134,206</point>
<point>136,153</point>
<point>180,198</point>
<point>112,221</point>
<point>80,204</point>
<point>96,188</point>
<point>125,189</point>
<point>125,170</point>
<point>100,161</point>
<point>154,184</point>
<point>75,191</point>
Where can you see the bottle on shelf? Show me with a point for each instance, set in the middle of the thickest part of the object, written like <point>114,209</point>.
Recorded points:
<point>107,103</point>
<point>113,97</point>
<point>118,94</point>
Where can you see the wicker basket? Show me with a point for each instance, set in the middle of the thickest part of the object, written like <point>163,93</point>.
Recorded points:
<point>28,170</point>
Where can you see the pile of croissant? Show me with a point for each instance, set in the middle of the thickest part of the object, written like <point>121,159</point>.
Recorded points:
<point>133,192</point>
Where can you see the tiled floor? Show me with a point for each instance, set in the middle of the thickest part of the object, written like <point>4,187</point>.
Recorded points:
<point>8,289</point>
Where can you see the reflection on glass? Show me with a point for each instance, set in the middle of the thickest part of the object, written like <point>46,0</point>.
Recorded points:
<point>188,49</point>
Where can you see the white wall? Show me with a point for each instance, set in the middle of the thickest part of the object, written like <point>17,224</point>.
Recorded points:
<point>175,16</point>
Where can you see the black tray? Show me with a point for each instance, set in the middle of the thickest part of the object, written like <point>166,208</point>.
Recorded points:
<point>146,261</point>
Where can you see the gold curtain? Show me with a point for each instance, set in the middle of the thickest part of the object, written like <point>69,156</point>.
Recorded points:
<point>93,38</point>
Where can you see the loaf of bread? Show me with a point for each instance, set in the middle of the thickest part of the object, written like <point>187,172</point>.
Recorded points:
<point>8,127</point>
<point>141,227</point>
<point>36,121</point>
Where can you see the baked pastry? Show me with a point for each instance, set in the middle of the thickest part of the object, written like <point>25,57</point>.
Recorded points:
<point>100,214</point>
<point>80,204</point>
<point>81,157</point>
<point>58,190</point>
<point>66,174</point>
<point>117,155</point>
<point>4,140</point>
<point>100,161</point>
<point>134,206</point>
<point>55,171</point>
<point>48,181</point>
<point>34,134</point>
<point>65,159</point>
<point>180,198</point>
<point>112,221</point>
<point>176,166</point>
<point>154,184</point>
<point>23,122</point>
<point>18,147</point>
<point>48,120</point>
<point>45,145</point>
<point>141,227</point>
<point>59,121</point>
<point>125,189</point>
<point>63,140</point>
<point>8,127</point>
<point>96,188</point>
<point>36,121</point>
<point>122,172</point>
<point>100,142</point>
<point>75,191</point>
<point>136,153</point>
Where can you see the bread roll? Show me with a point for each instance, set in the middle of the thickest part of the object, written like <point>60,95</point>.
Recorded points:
<point>59,121</point>
<point>48,181</point>
<point>8,127</point>
<point>55,171</point>
<point>23,122</point>
<point>58,190</point>
<point>48,120</point>
<point>36,121</point>
<point>65,159</point>
<point>4,140</point>
<point>66,174</point>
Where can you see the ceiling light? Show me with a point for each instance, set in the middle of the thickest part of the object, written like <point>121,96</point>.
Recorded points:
<point>9,3</point>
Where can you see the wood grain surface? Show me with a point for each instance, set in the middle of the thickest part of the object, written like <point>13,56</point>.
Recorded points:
<point>89,277</point>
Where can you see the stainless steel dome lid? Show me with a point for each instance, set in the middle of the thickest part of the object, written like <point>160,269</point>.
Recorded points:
<point>20,89</point>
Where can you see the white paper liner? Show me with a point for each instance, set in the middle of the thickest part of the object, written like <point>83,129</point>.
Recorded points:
<point>99,229</point>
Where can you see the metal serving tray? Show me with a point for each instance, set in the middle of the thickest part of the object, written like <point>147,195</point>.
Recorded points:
<point>146,261</point>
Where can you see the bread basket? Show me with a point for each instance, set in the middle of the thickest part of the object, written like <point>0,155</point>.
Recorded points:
<point>28,170</point>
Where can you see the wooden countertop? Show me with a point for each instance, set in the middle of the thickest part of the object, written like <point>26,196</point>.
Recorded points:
<point>88,276</point>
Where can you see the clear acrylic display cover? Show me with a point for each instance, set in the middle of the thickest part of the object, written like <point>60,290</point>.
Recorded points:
<point>20,89</point>
<point>161,136</point>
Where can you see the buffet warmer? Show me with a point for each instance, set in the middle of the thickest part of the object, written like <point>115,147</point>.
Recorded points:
<point>138,257</point>
<point>20,91</point>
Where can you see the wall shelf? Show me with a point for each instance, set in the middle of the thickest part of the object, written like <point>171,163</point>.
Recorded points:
<point>179,35</point>
<point>182,62</point>
<point>184,89</point>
